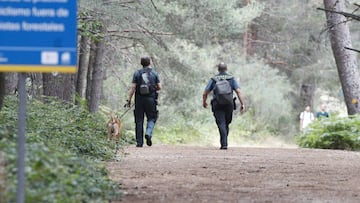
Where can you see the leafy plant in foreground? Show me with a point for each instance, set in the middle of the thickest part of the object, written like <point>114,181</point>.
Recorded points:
<point>64,146</point>
<point>335,133</point>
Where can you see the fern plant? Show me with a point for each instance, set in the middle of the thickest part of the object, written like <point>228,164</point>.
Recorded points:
<point>334,133</point>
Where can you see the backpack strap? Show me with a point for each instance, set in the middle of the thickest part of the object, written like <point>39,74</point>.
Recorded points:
<point>148,72</point>
<point>141,71</point>
<point>215,79</point>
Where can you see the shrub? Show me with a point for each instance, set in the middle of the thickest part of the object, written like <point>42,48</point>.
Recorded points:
<point>53,175</point>
<point>65,147</point>
<point>334,133</point>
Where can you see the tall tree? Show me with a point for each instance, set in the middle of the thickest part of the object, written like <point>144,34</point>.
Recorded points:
<point>82,68</point>
<point>90,70</point>
<point>250,36</point>
<point>345,59</point>
<point>97,74</point>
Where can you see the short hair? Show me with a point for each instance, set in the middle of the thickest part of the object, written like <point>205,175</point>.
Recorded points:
<point>145,61</point>
<point>222,66</point>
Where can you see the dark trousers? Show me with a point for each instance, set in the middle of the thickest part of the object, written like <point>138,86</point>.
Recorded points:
<point>144,106</point>
<point>223,117</point>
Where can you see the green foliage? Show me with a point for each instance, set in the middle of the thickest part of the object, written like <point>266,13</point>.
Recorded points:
<point>64,146</point>
<point>204,20</point>
<point>180,131</point>
<point>266,92</point>
<point>75,129</point>
<point>334,133</point>
<point>90,26</point>
<point>187,38</point>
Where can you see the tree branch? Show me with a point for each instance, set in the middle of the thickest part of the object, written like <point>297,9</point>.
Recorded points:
<point>156,9</point>
<point>147,31</point>
<point>122,36</point>
<point>107,2</point>
<point>154,37</point>
<point>348,15</point>
<point>352,49</point>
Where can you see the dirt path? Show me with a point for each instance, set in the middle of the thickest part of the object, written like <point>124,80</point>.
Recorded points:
<point>206,174</point>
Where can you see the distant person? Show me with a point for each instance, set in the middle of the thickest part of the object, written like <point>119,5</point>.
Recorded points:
<point>222,104</point>
<point>322,113</point>
<point>306,117</point>
<point>145,84</point>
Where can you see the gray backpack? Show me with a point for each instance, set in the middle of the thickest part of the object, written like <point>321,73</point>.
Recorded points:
<point>145,86</point>
<point>223,91</point>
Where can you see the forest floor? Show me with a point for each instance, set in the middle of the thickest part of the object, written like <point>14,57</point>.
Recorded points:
<point>166,173</point>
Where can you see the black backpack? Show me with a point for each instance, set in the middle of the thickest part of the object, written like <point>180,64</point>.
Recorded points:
<point>223,91</point>
<point>145,87</point>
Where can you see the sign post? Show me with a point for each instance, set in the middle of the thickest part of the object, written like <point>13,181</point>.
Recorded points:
<point>21,140</point>
<point>36,36</point>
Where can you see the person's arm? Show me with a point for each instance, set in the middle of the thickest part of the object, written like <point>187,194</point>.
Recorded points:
<point>312,118</point>
<point>205,95</point>
<point>241,99</point>
<point>131,93</point>
<point>207,91</point>
<point>301,121</point>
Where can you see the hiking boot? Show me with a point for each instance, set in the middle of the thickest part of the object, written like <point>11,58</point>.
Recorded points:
<point>139,145</point>
<point>148,140</point>
<point>223,147</point>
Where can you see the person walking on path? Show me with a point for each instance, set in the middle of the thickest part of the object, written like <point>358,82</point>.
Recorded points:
<point>145,84</point>
<point>306,117</point>
<point>222,104</point>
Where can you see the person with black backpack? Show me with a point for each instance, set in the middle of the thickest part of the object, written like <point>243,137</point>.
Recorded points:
<point>223,103</point>
<point>145,84</point>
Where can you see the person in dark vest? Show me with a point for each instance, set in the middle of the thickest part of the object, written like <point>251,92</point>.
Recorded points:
<point>322,113</point>
<point>145,86</point>
<point>223,112</point>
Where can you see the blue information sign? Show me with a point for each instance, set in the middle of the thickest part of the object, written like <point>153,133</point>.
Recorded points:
<point>38,35</point>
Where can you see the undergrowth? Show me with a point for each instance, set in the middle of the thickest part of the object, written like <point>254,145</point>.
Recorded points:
<point>65,149</point>
<point>334,133</point>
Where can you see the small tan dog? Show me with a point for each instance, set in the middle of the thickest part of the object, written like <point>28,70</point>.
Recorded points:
<point>114,128</point>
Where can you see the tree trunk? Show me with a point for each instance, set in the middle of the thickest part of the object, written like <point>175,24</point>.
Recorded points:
<point>246,34</point>
<point>249,36</point>
<point>97,77</point>
<point>59,86</point>
<point>345,59</point>
<point>36,85</point>
<point>11,80</point>
<point>307,95</point>
<point>91,62</point>
<point>82,68</point>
